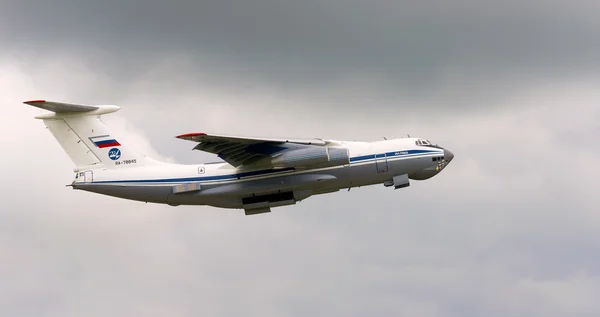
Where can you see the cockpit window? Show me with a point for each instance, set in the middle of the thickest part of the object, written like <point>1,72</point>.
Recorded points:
<point>422,142</point>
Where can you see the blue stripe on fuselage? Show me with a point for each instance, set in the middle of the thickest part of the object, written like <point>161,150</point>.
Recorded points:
<point>204,178</point>
<point>390,154</point>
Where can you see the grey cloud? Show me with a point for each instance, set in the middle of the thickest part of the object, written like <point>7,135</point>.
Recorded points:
<point>510,228</point>
<point>295,45</point>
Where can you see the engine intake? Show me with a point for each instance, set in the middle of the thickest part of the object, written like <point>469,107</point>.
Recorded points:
<point>313,157</point>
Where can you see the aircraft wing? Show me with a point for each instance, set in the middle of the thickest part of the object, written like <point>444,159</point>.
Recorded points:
<point>239,151</point>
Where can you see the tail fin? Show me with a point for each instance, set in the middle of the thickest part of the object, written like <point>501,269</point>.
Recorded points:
<point>86,139</point>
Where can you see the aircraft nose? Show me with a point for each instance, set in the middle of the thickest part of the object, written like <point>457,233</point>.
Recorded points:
<point>448,156</point>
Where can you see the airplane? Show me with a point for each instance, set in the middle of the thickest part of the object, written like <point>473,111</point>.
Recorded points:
<point>257,173</point>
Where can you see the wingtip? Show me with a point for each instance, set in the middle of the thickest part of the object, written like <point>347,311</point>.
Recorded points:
<point>190,135</point>
<point>34,101</point>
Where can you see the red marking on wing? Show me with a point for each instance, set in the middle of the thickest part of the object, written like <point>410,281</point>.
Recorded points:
<point>34,101</point>
<point>190,135</point>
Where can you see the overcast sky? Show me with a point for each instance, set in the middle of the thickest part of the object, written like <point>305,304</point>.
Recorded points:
<point>510,228</point>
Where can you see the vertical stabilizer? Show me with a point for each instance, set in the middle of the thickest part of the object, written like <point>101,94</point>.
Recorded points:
<point>85,137</point>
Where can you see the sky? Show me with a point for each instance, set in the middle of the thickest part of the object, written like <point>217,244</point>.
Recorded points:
<point>510,228</point>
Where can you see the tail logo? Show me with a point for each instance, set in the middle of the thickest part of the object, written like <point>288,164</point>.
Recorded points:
<point>114,154</point>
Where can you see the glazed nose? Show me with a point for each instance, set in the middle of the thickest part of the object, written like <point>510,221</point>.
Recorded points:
<point>448,156</point>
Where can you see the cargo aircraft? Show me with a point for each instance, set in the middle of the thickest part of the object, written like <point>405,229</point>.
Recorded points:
<point>257,173</point>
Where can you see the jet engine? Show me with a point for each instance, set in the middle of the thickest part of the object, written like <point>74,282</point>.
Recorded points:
<point>312,157</point>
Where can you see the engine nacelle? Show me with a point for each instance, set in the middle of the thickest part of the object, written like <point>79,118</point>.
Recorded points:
<point>313,157</point>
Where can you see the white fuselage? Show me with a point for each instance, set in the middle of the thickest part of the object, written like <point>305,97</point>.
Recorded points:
<point>222,185</point>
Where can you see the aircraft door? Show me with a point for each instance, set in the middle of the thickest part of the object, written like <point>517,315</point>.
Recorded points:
<point>381,163</point>
<point>88,176</point>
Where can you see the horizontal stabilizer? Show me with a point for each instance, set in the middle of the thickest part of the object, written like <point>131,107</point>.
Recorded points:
<point>60,107</point>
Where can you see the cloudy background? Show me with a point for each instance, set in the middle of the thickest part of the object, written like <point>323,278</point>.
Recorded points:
<point>510,228</point>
